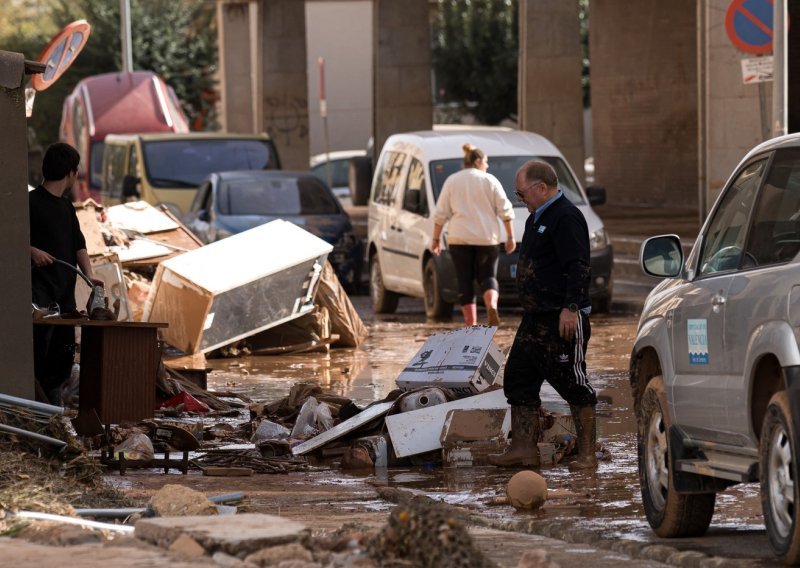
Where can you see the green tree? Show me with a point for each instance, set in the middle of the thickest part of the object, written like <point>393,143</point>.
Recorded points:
<point>174,38</point>
<point>475,54</point>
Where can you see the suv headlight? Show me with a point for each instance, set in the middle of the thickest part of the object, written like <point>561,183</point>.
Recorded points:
<point>598,239</point>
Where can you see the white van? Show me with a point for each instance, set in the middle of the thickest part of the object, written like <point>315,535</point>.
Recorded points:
<point>407,181</point>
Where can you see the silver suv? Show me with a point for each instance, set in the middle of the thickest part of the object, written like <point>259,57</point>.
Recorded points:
<point>715,369</point>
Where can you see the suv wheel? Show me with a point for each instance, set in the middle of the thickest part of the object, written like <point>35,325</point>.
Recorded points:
<point>780,490</point>
<point>383,301</point>
<point>435,306</point>
<point>670,514</point>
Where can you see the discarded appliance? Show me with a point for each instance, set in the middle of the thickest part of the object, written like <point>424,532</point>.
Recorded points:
<point>419,431</point>
<point>470,435</point>
<point>464,361</point>
<point>108,269</point>
<point>236,287</point>
<point>422,398</point>
<point>364,417</point>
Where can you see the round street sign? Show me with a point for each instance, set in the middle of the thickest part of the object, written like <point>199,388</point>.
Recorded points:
<point>749,25</point>
<point>59,54</point>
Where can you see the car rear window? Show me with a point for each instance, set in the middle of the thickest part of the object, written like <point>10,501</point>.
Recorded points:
<point>277,196</point>
<point>185,163</point>
<point>338,172</point>
<point>504,168</point>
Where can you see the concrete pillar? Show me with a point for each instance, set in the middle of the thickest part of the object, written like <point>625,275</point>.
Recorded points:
<point>402,70</point>
<point>734,116</point>
<point>644,100</point>
<point>284,83</point>
<point>16,354</point>
<point>237,65</point>
<point>550,96</point>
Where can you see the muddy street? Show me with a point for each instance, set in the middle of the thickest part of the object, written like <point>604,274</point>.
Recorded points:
<point>609,503</point>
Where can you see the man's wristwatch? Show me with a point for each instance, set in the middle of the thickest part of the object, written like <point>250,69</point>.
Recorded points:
<point>573,308</point>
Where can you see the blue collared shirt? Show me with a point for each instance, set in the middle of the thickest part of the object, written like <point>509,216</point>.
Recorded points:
<point>545,205</point>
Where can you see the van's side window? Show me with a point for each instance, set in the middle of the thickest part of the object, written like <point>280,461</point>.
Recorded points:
<point>388,178</point>
<point>415,188</point>
<point>133,164</point>
<point>115,169</point>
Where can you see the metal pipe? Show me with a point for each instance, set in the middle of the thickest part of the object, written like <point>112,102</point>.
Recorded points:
<point>110,513</point>
<point>125,35</point>
<point>227,497</point>
<point>31,404</point>
<point>32,435</point>
<point>780,84</point>
<point>73,521</point>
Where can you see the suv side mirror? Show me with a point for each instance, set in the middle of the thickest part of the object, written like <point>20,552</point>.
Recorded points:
<point>130,187</point>
<point>359,177</point>
<point>662,256</point>
<point>596,195</point>
<point>203,215</point>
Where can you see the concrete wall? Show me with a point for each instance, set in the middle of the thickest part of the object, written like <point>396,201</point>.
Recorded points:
<point>644,100</point>
<point>341,32</point>
<point>16,351</point>
<point>550,96</point>
<point>402,83</point>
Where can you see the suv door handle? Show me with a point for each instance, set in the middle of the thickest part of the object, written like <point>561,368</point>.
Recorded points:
<point>718,300</point>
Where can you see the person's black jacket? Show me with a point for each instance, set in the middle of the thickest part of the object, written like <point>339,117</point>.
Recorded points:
<point>553,270</point>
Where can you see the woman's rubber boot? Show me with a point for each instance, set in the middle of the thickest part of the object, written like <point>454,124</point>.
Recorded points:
<point>586,432</point>
<point>524,448</point>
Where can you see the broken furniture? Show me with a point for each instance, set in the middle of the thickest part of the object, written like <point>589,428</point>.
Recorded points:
<point>122,463</point>
<point>236,287</point>
<point>119,362</point>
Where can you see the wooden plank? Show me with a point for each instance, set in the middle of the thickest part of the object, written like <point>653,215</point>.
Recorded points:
<point>418,431</point>
<point>363,417</point>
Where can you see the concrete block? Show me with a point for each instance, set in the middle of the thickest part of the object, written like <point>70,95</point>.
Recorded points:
<point>236,535</point>
<point>187,547</point>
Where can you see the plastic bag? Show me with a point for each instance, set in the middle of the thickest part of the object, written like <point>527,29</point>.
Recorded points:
<point>304,425</point>
<point>137,447</point>
<point>268,430</point>
<point>322,417</point>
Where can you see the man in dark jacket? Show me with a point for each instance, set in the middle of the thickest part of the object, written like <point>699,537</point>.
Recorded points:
<point>553,276</point>
<point>55,234</point>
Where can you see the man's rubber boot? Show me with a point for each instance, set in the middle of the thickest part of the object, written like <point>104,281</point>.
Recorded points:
<point>524,448</point>
<point>586,432</point>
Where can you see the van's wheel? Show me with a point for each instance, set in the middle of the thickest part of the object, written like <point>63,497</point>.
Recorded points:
<point>670,514</point>
<point>435,306</point>
<point>383,301</point>
<point>780,486</point>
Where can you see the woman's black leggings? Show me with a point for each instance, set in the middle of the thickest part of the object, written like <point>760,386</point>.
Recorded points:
<point>475,262</point>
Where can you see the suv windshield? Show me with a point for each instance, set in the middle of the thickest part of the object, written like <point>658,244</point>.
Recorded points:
<point>184,163</point>
<point>504,168</point>
<point>277,196</point>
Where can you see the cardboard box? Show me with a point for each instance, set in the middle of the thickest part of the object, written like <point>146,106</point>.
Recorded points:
<point>236,287</point>
<point>465,361</point>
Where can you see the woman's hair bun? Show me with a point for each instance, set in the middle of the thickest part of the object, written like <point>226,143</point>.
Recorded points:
<point>467,147</point>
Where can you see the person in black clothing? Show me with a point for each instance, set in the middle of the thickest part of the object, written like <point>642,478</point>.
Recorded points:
<point>55,234</point>
<point>553,276</point>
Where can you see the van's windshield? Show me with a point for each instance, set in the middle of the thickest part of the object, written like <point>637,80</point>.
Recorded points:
<point>504,168</point>
<point>185,163</point>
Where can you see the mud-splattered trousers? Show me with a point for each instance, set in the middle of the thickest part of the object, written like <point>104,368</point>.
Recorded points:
<point>539,354</point>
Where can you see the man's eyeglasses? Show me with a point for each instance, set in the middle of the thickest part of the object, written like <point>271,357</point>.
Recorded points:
<point>520,191</point>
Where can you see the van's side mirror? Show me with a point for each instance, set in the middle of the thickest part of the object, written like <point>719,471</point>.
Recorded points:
<point>359,176</point>
<point>596,195</point>
<point>203,215</point>
<point>130,187</point>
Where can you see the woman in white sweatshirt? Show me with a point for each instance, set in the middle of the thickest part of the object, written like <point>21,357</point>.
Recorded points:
<point>473,204</point>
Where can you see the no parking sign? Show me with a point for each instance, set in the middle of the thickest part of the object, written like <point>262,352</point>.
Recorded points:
<point>749,25</point>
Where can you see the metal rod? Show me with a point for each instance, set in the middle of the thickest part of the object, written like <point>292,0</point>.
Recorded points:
<point>32,435</point>
<point>125,35</point>
<point>73,521</point>
<point>31,404</point>
<point>780,85</point>
<point>110,513</point>
<point>227,497</point>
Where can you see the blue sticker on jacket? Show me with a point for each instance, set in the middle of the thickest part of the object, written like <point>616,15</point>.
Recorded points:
<point>541,229</point>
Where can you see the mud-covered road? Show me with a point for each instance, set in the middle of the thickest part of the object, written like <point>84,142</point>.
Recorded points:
<point>608,503</point>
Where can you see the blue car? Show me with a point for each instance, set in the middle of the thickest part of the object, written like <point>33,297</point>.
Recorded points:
<point>231,202</point>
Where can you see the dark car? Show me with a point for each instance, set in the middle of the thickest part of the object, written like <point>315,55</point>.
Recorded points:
<point>231,202</point>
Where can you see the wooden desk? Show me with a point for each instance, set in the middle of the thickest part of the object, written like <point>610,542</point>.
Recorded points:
<point>119,363</point>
